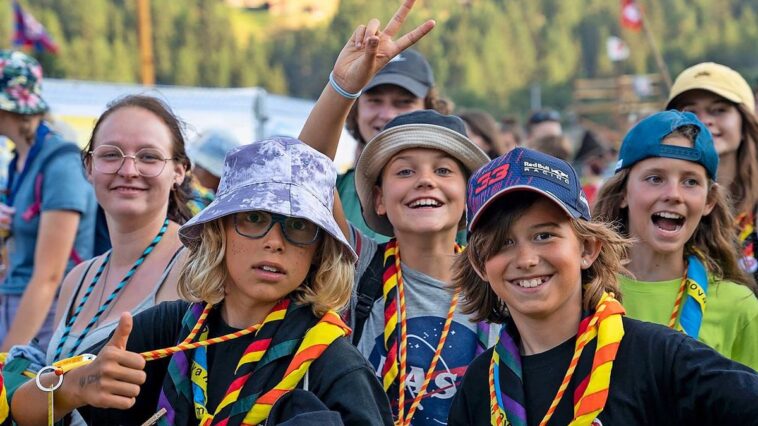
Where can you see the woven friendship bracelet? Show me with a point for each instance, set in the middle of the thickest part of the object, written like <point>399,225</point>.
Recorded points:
<point>342,92</point>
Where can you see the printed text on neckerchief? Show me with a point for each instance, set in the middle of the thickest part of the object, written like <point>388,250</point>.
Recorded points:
<point>507,402</point>
<point>109,300</point>
<point>394,313</point>
<point>746,233</point>
<point>237,405</point>
<point>695,284</point>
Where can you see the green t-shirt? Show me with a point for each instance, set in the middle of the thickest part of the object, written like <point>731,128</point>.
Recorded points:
<point>730,323</point>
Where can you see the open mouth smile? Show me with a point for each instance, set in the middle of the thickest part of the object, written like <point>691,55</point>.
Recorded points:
<point>424,203</point>
<point>668,221</point>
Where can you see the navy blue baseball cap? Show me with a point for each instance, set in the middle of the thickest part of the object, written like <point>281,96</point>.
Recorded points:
<point>645,140</point>
<point>524,169</point>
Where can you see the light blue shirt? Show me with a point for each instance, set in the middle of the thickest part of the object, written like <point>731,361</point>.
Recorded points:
<point>64,187</point>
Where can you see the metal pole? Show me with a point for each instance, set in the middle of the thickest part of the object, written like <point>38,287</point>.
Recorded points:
<point>145,36</point>
<point>662,68</point>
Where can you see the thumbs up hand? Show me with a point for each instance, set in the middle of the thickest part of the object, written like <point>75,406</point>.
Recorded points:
<point>113,379</point>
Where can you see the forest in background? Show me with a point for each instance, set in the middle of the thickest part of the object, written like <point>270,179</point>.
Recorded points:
<point>485,53</point>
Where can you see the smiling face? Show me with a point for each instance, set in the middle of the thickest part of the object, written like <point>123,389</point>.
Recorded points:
<point>381,104</point>
<point>537,272</point>
<point>422,191</point>
<point>264,270</point>
<point>720,116</point>
<point>126,193</point>
<point>666,198</point>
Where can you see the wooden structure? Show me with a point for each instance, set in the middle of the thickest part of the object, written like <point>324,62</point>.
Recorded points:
<point>609,106</point>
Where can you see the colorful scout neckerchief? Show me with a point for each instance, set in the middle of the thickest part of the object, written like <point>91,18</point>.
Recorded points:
<point>395,366</point>
<point>746,231</point>
<point>507,405</point>
<point>247,401</point>
<point>695,283</point>
<point>109,300</point>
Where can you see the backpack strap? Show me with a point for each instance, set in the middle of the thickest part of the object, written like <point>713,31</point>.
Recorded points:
<point>36,207</point>
<point>369,290</point>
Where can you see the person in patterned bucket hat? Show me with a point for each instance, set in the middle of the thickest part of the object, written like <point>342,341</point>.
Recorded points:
<point>48,209</point>
<point>268,266</point>
<point>21,82</point>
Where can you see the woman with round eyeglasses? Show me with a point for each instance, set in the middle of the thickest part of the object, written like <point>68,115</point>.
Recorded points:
<point>47,212</point>
<point>137,163</point>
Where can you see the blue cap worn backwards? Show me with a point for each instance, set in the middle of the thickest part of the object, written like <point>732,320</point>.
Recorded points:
<point>645,140</point>
<point>523,169</point>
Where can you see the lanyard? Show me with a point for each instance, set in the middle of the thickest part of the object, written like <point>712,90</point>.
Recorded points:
<point>394,315</point>
<point>11,189</point>
<point>109,300</point>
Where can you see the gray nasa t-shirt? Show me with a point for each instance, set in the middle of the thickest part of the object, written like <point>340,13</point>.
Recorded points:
<point>427,303</point>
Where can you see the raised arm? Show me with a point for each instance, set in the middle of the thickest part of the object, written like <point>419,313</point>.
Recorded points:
<point>57,232</point>
<point>367,50</point>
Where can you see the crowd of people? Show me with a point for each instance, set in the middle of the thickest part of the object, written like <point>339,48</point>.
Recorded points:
<point>464,272</point>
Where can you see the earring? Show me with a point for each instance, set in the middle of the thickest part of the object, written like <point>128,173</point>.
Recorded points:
<point>584,262</point>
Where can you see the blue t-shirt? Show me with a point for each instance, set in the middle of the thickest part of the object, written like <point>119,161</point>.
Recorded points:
<point>64,187</point>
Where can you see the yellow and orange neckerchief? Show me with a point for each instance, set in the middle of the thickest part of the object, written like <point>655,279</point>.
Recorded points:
<point>395,341</point>
<point>507,405</point>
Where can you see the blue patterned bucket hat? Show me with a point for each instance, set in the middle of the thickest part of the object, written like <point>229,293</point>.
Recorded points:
<point>21,84</point>
<point>278,175</point>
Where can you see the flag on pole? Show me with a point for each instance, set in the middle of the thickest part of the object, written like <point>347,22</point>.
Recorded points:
<point>631,16</point>
<point>29,33</point>
<point>616,48</point>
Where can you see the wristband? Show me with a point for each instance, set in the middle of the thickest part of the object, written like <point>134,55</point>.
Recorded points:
<point>342,92</point>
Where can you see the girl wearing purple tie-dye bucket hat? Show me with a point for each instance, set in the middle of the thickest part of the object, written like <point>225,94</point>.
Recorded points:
<point>268,267</point>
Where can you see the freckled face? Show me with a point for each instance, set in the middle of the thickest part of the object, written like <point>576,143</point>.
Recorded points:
<point>264,270</point>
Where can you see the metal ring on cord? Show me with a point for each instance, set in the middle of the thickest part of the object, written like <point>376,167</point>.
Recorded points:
<point>52,388</point>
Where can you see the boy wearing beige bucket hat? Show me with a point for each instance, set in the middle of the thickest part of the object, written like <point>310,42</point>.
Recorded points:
<point>411,181</point>
<point>724,102</point>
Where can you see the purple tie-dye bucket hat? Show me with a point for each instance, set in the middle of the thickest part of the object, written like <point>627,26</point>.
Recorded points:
<point>278,175</point>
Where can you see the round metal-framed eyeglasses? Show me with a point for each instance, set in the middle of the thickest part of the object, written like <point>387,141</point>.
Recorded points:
<point>109,159</point>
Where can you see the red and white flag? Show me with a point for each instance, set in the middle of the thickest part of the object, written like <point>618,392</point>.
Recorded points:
<point>631,16</point>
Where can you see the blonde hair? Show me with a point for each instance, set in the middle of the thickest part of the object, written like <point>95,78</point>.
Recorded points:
<point>714,239</point>
<point>327,286</point>
<point>481,302</point>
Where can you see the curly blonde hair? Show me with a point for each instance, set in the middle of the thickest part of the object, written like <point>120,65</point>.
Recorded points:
<point>328,286</point>
<point>481,302</point>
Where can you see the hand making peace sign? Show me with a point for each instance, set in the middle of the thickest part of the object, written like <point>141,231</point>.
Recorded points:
<point>370,48</point>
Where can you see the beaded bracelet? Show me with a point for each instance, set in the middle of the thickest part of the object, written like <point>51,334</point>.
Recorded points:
<point>342,92</point>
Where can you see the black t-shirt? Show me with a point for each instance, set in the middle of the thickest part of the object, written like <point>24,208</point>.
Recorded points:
<point>659,377</point>
<point>341,378</point>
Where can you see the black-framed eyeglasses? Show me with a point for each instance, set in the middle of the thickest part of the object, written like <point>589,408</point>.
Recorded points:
<point>256,224</point>
<point>109,159</point>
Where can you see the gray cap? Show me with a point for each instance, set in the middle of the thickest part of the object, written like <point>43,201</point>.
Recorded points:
<point>278,175</point>
<point>409,70</point>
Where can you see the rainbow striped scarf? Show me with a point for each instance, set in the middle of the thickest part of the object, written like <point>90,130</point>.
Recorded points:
<point>290,333</point>
<point>507,401</point>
